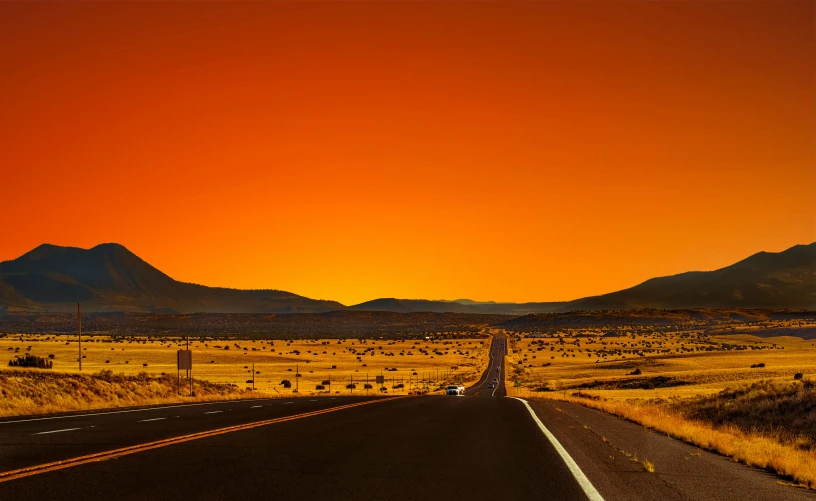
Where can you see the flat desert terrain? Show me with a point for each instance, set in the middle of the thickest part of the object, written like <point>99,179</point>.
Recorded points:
<point>417,365</point>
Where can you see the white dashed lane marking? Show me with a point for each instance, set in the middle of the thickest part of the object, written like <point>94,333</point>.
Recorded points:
<point>56,431</point>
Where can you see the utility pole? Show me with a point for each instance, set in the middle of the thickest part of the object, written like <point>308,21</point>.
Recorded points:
<point>297,378</point>
<point>79,332</point>
<point>366,384</point>
<point>253,377</point>
<point>190,370</point>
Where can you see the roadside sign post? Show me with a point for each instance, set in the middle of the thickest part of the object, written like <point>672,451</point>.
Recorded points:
<point>184,360</point>
<point>380,380</point>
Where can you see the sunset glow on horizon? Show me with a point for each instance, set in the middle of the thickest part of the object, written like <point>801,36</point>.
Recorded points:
<point>354,150</point>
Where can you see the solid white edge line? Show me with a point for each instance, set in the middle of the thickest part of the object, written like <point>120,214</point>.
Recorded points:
<point>582,479</point>
<point>152,419</point>
<point>214,412</point>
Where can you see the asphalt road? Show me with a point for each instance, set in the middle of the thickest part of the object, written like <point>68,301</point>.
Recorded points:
<point>428,447</point>
<point>495,370</point>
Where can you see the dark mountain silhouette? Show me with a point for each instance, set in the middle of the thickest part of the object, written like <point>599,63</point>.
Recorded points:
<point>109,277</point>
<point>784,279</point>
<point>765,280</point>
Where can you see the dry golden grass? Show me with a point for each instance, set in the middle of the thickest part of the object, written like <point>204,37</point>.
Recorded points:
<point>29,392</point>
<point>420,364</point>
<point>692,386</point>
<point>749,448</point>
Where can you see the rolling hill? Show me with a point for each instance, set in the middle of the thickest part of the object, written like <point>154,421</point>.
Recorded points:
<point>765,280</point>
<point>784,279</point>
<point>109,277</point>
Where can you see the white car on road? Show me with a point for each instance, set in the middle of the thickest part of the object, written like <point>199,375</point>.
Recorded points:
<point>455,390</point>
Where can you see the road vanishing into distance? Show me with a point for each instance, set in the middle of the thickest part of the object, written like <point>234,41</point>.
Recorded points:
<point>481,446</point>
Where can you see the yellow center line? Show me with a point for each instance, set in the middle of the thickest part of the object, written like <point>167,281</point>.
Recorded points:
<point>124,451</point>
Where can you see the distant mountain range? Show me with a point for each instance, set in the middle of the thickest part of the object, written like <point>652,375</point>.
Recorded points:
<point>765,280</point>
<point>457,306</point>
<point>109,277</point>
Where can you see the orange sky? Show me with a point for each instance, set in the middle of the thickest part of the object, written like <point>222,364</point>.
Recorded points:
<point>347,151</point>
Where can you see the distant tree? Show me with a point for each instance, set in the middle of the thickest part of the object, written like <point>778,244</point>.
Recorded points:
<point>286,383</point>
<point>29,360</point>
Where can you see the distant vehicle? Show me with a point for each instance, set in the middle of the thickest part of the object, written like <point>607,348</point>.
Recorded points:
<point>455,390</point>
<point>498,369</point>
<point>490,385</point>
<point>495,380</point>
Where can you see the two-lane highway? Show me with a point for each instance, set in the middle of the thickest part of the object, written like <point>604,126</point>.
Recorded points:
<point>430,447</point>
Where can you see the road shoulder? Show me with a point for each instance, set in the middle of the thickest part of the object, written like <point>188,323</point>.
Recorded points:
<point>611,451</point>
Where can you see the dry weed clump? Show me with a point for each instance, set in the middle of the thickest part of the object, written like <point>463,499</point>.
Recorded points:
<point>785,411</point>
